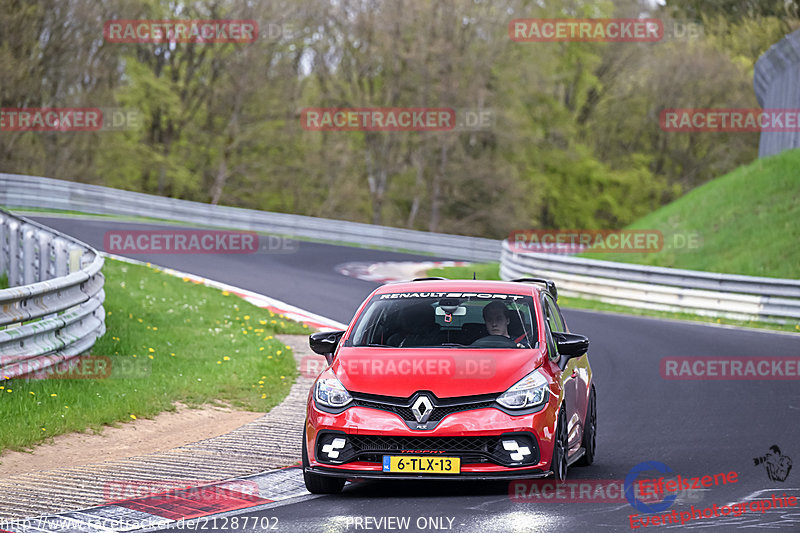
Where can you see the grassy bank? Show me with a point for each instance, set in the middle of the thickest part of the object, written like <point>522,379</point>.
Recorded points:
<point>747,222</point>
<point>168,340</point>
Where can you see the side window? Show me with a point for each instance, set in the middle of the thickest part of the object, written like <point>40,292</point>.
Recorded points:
<point>552,350</point>
<point>553,315</point>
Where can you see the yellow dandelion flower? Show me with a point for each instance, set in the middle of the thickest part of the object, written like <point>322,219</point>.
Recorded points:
<point>273,322</point>
<point>151,350</point>
<point>172,354</point>
<point>269,357</point>
<point>1,387</point>
<point>278,352</point>
<point>263,396</point>
<point>155,328</point>
<point>225,293</point>
<point>44,429</point>
<point>133,417</point>
<point>185,279</point>
<point>283,377</point>
<point>66,407</point>
<point>140,320</point>
<point>263,377</point>
<point>32,393</point>
<point>130,315</point>
<point>134,355</point>
<point>247,317</point>
<point>219,362</point>
<point>260,382</point>
<point>109,313</point>
<point>53,395</point>
<point>9,390</point>
<point>261,349</point>
<point>226,358</point>
<point>262,322</point>
<point>244,331</point>
<point>150,356</point>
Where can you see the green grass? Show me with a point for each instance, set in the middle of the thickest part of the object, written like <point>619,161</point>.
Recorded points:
<point>169,340</point>
<point>491,271</point>
<point>748,221</point>
<point>3,281</point>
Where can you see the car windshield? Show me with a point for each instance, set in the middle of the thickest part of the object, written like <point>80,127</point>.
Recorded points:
<point>450,320</point>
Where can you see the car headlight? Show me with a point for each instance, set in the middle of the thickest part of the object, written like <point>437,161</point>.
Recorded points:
<point>331,393</point>
<point>530,391</point>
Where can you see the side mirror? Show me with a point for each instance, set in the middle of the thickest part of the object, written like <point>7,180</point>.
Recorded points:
<point>570,345</point>
<point>325,342</point>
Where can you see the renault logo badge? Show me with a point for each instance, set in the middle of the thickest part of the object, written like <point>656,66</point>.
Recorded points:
<point>422,409</point>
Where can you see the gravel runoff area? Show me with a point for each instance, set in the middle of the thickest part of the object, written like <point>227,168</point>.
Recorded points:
<point>272,441</point>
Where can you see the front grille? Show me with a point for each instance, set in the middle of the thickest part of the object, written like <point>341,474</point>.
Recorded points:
<point>479,449</point>
<point>441,408</point>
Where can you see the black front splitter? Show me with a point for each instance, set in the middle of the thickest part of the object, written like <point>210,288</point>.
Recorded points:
<point>355,474</point>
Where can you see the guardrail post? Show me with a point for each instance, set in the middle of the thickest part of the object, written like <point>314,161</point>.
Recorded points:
<point>61,260</point>
<point>75,256</point>
<point>28,256</point>
<point>13,254</point>
<point>4,220</point>
<point>45,261</point>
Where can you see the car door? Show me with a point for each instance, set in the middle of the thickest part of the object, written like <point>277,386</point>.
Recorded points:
<point>581,372</point>
<point>569,377</point>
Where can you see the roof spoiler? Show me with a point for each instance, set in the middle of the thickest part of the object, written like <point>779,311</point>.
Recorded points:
<point>549,284</point>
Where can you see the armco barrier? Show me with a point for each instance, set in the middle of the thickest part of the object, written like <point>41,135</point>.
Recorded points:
<point>53,309</point>
<point>662,289</point>
<point>775,82</point>
<point>29,191</point>
<point>703,293</point>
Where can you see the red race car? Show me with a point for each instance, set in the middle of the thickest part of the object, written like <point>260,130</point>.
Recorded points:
<point>450,379</point>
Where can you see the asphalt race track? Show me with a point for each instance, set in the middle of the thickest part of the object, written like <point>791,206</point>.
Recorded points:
<point>697,428</point>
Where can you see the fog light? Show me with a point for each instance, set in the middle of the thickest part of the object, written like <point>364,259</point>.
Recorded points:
<point>518,452</point>
<point>332,449</point>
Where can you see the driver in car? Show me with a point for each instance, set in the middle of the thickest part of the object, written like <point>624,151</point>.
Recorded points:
<point>495,315</point>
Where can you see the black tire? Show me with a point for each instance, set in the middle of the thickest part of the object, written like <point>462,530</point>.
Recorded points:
<point>589,432</point>
<point>560,448</point>
<point>316,484</point>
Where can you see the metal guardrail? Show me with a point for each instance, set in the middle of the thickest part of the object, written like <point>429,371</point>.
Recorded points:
<point>658,288</point>
<point>30,191</point>
<point>53,308</point>
<point>775,83</point>
<point>666,289</point>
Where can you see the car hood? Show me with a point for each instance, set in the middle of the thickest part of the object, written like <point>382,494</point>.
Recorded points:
<point>445,372</point>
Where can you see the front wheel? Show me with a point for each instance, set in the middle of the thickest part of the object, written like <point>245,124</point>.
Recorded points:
<point>560,448</point>
<point>316,484</point>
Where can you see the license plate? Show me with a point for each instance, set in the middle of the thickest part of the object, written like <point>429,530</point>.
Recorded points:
<point>411,464</point>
